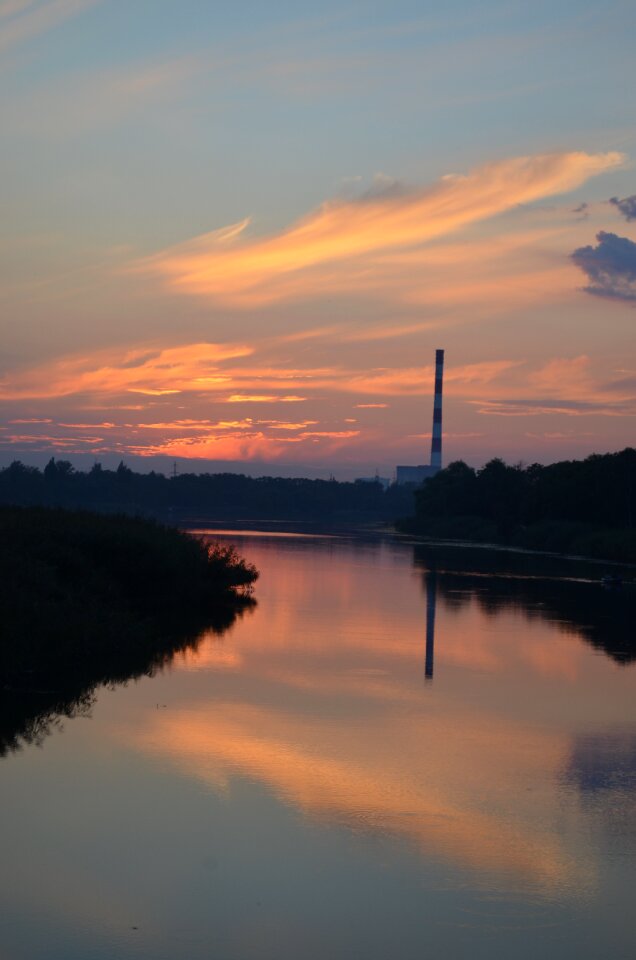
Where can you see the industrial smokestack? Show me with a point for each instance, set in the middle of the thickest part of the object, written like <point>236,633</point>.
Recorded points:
<point>436,441</point>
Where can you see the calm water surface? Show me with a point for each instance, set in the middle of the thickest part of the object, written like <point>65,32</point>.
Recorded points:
<point>400,753</point>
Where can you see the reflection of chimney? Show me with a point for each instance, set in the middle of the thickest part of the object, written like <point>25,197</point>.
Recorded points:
<point>431,602</point>
<point>436,441</point>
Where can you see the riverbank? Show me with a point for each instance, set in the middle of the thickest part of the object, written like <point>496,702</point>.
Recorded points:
<point>88,597</point>
<point>568,538</point>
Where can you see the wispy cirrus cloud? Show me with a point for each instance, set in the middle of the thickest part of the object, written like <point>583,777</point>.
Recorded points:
<point>262,398</point>
<point>75,105</point>
<point>331,246</point>
<point>9,8</point>
<point>173,373</point>
<point>27,19</point>
<point>564,386</point>
<point>168,370</point>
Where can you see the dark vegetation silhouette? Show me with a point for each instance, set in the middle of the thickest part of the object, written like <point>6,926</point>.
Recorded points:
<point>87,600</point>
<point>541,588</point>
<point>203,497</point>
<point>585,507</point>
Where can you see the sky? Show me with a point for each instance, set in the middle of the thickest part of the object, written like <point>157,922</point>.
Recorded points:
<point>233,236</point>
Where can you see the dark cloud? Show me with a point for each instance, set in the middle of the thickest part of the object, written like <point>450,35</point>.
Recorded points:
<point>610,266</point>
<point>622,385</point>
<point>627,206</point>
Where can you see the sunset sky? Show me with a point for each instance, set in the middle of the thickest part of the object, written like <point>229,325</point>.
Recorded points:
<point>236,233</point>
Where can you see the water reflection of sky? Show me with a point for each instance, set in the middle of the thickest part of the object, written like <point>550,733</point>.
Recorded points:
<point>492,790</point>
<point>328,709</point>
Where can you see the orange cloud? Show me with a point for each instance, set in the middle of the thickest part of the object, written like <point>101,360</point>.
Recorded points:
<point>176,371</point>
<point>344,434</point>
<point>242,272</point>
<point>564,385</point>
<point>31,420</point>
<point>244,446</point>
<point>247,424</point>
<point>88,426</point>
<point>419,380</point>
<point>47,440</point>
<point>189,382</point>
<point>261,398</point>
<point>157,372</point>
<point>289,426</point>
<point>152,392</point>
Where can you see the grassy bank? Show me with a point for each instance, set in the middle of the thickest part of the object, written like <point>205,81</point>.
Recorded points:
<point>577,539</point>
<point>87,599</point>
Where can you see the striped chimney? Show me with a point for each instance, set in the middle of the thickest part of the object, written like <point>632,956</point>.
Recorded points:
<point>436,441</point>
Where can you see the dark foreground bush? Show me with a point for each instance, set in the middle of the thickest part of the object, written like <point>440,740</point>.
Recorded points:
<point>87,599</point>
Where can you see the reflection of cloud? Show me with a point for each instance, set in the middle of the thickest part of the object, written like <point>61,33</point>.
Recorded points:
<point>374,787</point>
<point>610,266</point>
<point>310,256</point>
<point>473,778</point>
<point>209,655</point>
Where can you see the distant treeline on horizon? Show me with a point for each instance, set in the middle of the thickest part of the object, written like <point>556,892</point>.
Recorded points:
<point>586,506</point>
<point>581,506</point>
<point>231,496</point>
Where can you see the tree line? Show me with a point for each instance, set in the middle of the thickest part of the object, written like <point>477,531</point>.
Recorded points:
<point>572,504</point>
<point>190,496</point>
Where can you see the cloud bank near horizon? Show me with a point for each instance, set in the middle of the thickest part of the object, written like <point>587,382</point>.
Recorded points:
<point>176,402</point>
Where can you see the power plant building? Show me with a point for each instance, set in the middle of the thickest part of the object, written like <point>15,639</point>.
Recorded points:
<point>406,474</point>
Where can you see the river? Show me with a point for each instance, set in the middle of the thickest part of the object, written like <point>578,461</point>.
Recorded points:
<point>400,752</point>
